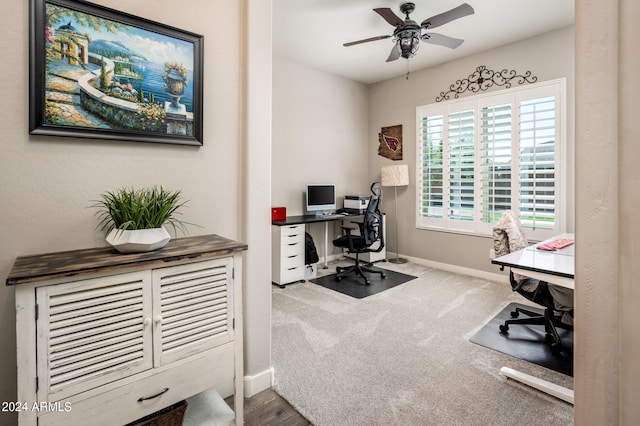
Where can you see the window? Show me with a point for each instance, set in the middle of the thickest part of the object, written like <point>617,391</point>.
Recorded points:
<point>489,153</point>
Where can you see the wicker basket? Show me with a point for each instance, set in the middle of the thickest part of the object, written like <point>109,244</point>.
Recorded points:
<point>169,416</point>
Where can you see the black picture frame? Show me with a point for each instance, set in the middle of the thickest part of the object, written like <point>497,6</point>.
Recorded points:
<point>95,72</point>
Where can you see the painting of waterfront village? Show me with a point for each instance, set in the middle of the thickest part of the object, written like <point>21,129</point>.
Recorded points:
<point>103,74</point>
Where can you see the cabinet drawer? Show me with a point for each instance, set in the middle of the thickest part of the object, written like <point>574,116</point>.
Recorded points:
<point>289,262</point>
<point>292,249</point>
<point>292,274</point>
<point>291,236</point>
<point>120,405</point>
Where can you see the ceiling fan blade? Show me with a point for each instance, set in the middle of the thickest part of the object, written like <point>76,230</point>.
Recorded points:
<point>395,53</point>
<point>366,40</point>
<point>389,16</point>
<point>451,15</point>
<point>442,40</point>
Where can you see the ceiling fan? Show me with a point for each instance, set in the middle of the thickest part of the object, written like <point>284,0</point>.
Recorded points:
<point>408,33</point>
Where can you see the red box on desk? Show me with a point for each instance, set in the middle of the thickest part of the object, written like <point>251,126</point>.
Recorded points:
<point>278,213</point>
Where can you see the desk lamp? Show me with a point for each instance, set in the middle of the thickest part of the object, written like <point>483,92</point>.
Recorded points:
<point>396,175</point>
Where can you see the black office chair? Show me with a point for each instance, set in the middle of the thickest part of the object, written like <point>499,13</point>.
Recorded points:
<point>534,290</point>
<point>551,319</point>
<point>370,231</point>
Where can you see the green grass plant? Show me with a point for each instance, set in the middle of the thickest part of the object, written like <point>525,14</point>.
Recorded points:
<point>145,208</point>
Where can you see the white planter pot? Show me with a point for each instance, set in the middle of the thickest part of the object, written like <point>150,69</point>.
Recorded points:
<point>138,240</point>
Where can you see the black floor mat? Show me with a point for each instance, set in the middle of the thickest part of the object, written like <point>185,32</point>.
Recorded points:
<point>353,285</point>
<point>526,342</point>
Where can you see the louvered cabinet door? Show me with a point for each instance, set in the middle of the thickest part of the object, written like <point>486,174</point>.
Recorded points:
<point>92,332</point>
<point>193,309</point>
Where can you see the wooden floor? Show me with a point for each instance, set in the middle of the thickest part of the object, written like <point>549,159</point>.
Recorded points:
<point>269,408</point>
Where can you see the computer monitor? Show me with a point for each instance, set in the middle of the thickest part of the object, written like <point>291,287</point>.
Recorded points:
<point>320,198</point>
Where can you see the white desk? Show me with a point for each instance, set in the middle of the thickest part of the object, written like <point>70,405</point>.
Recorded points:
<point>305,219</point>
<point>555,267</point>
<point>288,245</point>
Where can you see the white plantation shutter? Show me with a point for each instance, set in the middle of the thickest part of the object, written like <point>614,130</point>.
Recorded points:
<point>431,167</point>
<point>496,155</point>
<point>461,165</point>
<point>537,163</point>
<point>489,153</point>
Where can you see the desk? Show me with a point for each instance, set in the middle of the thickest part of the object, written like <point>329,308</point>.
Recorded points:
<point>555,267</point>
<point>287,244</point>
<point>326,218</point>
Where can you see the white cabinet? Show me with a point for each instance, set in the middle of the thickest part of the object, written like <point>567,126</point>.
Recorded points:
<point>114,345</point>
<point>287,253</point>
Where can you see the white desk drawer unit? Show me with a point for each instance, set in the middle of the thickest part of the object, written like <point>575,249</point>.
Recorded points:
<point>107,338</point>
<point>288,245</point>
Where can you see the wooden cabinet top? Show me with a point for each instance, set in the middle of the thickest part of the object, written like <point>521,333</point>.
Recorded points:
<point>42,267</point>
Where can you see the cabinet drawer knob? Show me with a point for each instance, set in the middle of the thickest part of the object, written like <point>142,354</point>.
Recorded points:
<point>158,319</point>
<point>144,398</point>
<point>147,322</point>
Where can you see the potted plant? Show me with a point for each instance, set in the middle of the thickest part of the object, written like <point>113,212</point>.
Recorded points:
<point>135,219</point>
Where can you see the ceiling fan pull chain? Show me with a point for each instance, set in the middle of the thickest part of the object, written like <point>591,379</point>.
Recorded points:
<point>408,70</point>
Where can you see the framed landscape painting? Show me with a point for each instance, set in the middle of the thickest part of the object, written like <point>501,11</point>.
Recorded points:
<point>99,73</point>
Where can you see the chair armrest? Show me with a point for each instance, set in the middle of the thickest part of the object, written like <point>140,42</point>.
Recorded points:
<point>380,246</point>
<point>360,226</point>
<point>380,239</point>
<point>347,231</point>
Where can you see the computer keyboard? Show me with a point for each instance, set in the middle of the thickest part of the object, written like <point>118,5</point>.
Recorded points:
<point>335,215</point>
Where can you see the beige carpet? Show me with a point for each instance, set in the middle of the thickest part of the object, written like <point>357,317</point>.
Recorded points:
<point>403,356</point>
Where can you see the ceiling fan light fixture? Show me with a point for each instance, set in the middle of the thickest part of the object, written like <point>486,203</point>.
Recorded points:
<point>408,42</point>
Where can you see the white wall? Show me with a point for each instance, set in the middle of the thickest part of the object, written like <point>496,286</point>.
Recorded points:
<point>48,183</point>
<point>607,343</point>
<point>392,102</point>
<point>628,229</point>
<point>257,195</point>
<point>319,136</point>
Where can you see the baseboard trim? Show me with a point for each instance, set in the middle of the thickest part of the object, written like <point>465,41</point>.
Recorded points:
<point>331,258</point>
<point>456,269</point>
<point>258,382</point>
<point>439,265</point>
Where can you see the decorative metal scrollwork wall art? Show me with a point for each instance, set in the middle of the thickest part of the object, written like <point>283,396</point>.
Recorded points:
<point>482,79</point>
